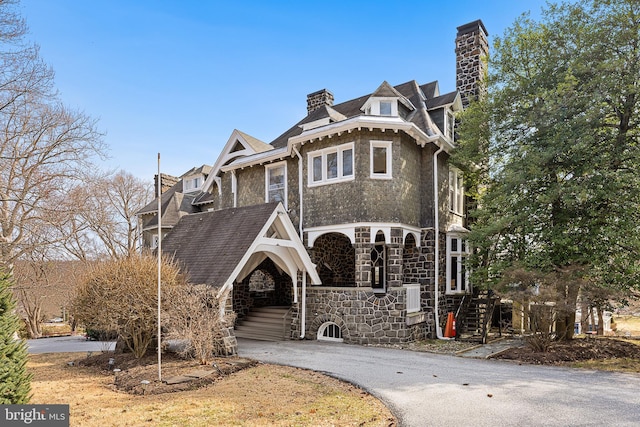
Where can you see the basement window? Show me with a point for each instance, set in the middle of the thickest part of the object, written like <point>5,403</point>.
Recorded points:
<point>329,331</point>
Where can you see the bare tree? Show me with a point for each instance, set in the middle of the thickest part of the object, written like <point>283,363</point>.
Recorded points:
<point>45,147</point>
<point>44,288</point>
<point>100,219</point>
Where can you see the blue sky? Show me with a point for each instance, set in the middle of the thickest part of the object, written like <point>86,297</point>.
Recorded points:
<point>177,77</point>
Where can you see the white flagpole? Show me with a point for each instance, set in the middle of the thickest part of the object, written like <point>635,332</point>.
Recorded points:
<point>159,267</point>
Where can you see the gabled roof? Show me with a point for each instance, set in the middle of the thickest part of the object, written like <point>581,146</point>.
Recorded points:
<point>239,144</point>
<point>175,204</point>
<point>446,99</point>
<point>220,247</point>
<point>431,90</point>
<point>385,90</point>
<point>204,170</point>
<point>320,122</point>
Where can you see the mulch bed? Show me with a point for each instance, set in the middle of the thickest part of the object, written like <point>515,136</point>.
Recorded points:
<point>134,371</point>
<point>574,351</point>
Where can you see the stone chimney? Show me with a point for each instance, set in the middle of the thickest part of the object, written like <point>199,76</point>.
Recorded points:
<point>317,99</point>
<point>167,181</point>
<point>472,48</point>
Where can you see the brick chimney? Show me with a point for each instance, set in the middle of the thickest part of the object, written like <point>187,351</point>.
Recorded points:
<point>472,48</point>
<point>317,99</point>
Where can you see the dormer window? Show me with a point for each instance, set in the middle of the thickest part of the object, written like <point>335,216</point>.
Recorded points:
<point>385,108</point>
<point>193,183</point>
<point>376,106</point>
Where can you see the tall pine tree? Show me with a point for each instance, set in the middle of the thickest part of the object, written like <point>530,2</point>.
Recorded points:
<point>15,381</point>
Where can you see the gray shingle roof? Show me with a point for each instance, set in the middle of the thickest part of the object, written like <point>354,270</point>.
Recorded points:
<point>211,244</point>
<point>411,90</point>
<point>441,100</point>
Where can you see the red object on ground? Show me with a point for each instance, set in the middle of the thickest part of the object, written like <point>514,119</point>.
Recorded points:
<point>450,329</point>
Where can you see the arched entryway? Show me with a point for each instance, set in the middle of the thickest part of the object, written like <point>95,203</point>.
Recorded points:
<point>334,256</point>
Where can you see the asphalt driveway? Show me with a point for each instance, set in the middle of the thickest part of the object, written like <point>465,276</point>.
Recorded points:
<point>67,344</point>
<point>424,389</point>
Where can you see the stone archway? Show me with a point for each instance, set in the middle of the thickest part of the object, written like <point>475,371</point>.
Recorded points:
<point>334,256</point>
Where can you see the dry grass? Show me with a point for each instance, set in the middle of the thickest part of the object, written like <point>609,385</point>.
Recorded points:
<point>264,395</point>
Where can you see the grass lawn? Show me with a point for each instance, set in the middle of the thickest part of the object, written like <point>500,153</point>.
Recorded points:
<point>263,395</point>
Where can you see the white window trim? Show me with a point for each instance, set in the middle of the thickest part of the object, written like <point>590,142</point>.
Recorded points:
<point>188,187</point>
<point>372,106</point>
<point>450,123</point>
<point>267,168</point>
<point>381,144</point>
<point>323,153</point>
<point>456,206</point>
<point>460,266</point>
<point>234,188</point>
<point>320,336</point>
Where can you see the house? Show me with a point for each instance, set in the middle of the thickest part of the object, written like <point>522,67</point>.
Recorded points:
<point>338,228</point>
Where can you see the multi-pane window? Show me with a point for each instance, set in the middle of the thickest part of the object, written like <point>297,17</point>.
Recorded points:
<point>456,191</point>
<point>450,124</point>
<point>330,165</point>
<point>457,272</point>
<point>380,159</point>
<point>192,184</point>
<point>329,331</point>
<point>276,183</point>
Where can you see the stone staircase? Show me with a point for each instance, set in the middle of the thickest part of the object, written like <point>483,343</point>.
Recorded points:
<point>265,324</point>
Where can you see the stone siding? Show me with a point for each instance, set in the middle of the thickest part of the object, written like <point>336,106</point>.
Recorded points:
<point>318,99</point>
<point>334,257</point>
<point>364,199</point>
<point>472,49</point>
<point>250,186</point>
<point>364,317</point>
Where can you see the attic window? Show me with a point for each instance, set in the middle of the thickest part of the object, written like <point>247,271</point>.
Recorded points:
<point>385,108</point>
<point>192,184</point>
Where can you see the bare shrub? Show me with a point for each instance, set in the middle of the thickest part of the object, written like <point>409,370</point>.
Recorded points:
<point>193,317</point>
<point>121,295</point>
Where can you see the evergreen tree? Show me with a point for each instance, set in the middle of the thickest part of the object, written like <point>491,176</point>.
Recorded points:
<point>554,150</point>
<point>15,382</point>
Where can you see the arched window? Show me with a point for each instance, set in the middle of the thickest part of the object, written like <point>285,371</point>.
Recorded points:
<point>261,281</point>
<point>378,264</point>
<point>330,331</point>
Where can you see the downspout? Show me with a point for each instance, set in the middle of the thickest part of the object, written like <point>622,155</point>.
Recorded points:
<point>303,310</point>
<point>303,323</point>
<point>295,150</point>
<point>436,210</point>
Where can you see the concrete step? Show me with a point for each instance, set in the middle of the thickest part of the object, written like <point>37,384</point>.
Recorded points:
<point>264,323</point>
